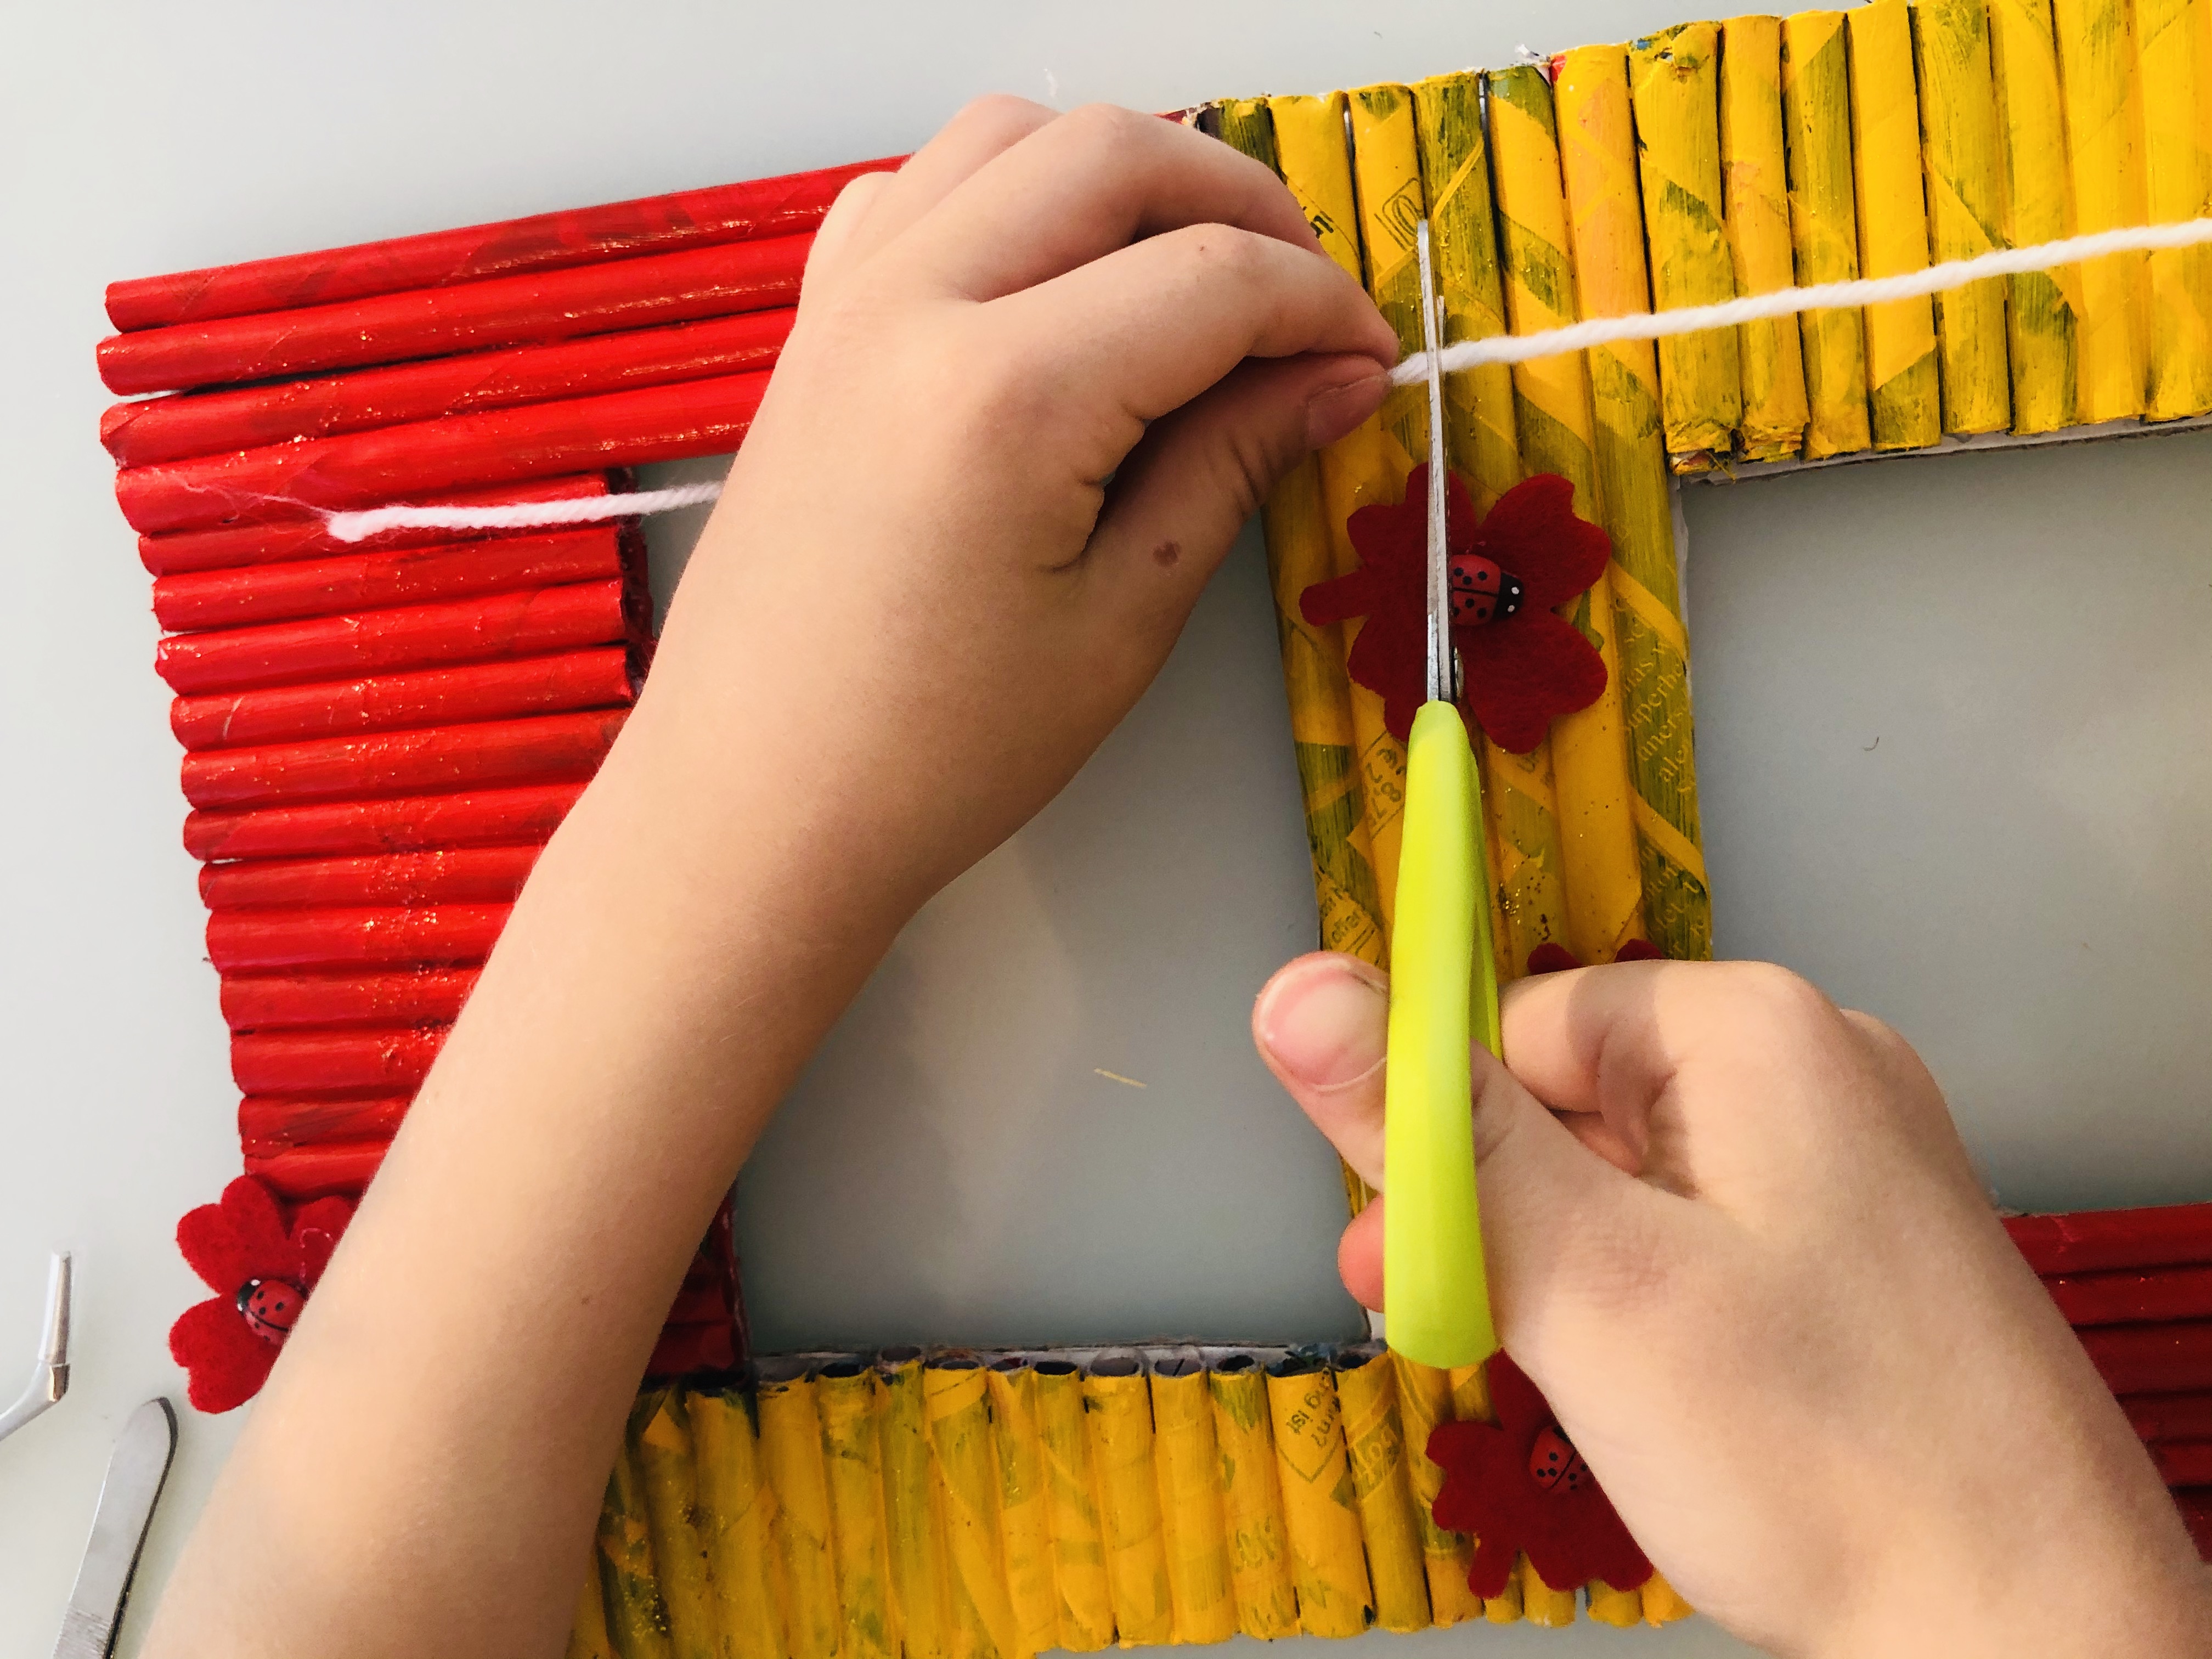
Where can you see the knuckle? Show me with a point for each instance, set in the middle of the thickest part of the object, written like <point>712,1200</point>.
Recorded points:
<point>1108,124</point>
<point>1772,996</point>
<point>1002,115</point>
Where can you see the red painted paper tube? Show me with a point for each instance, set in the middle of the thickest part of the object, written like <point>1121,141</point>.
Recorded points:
<point>597,679</point>
<point>383,580</point>
<point>270,1124</point>
<point>338,1169</point>
<point>2119,1298</point>
<point>546,241</point>
<point>2094,1241</point>
<point>408,823</point>
<point>2196,1506</point>
<point>151,429</point>
<point>533,623</point>
<point>331,1062</point>
<point>371,469</point>
<point>548,749</point>
<point>2152,1358</point>
<point>305,535</point>
<point>2183,1462</point>
<point>420,996</point>
<point>459,875</point>
<point>506,311</point>
<point>2170,1416</point>
<point>251,941</point>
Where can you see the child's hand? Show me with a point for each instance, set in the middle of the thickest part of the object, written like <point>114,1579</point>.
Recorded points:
<point>1040,378</point>
<point>1745,1256</point>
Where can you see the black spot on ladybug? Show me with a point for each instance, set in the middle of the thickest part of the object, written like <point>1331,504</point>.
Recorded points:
<point>272,1307</point>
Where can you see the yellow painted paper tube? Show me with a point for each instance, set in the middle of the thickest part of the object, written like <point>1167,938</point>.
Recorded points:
<point>1252,1501</point>
<point>1119,1409</point>
<point>637,1619</point>
<point>850,1399</point>
<point>737,1507</point>
<point>1661,1605</point>
<point>1328,1564</point>
<point>660,1442</point>
<point>2040,320</point>
<point>1541,1604</point>
<point>1374,1447</point>
<point>1816,102</point>
<point>1755,184</point>
<point>916,1550</point>
<point>1966,206</point>
<point>587,1636</point>
<point>1424,1401</point>
<point>2176,69</point>
<point>1674,77</point>
<point>1618,1607</point>
<point>1589,751</point>
<point>791,1457</point>
<point>1078,1545</point>
<point>1191,1521</point>
<point>1025,1515</point>
<point>1904,404</point>
<point>2098,86</point>
<point>954,1397</point>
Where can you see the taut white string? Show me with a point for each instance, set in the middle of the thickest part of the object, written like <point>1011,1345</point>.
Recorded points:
<point>580,509</point>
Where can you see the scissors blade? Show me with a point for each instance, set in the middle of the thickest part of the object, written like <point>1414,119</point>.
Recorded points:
<point>1443,680</point>
<point>135,1474</point>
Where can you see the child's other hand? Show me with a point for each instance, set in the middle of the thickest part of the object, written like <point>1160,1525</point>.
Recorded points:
<point>1040,377</point>
<point>1734,1238</point>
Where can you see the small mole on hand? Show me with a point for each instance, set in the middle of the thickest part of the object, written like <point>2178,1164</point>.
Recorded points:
<point>1166,554</point>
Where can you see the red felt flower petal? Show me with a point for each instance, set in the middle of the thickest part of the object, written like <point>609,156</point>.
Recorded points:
<point>1639,950</point>
<point>225,1362</point>
<point>316,1229</point>
<point>1533,532</point>
<point>1391,658</point>
<point>1524,673</point>
<point>1338,599</point>
<point>1550,958</point>
<point>239,1236</point>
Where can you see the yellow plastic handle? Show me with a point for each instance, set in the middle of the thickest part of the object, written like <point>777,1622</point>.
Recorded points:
<point>1444,996</point>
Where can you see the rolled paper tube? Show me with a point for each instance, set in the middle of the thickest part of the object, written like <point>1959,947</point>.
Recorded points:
<point>1329,1562</point>
<point>2183,1463</point>
<point>246,941</point>
<point>2118,1298</point>
<point>955,1399</point>
<point>1119,1410</point>
<point>597,679</point>
<point>916,1548</point>
<point>1189,1469</point>
<point>851,1403</point>
<point>1755,184</point>
<point>1816,102</point>
<point>1540,1603</point>
<point>2042,317</point>
<point>473,875</point>
<point>1674,77</point>
<point>2102,98</point>
<point>1661,1605</point>
<point>1904,408</point>
<point>1424,1401</point>
<point>502,310</point>
<point>1375,1444</point>
<point>2170,1416</point>
<point>1252,1500</point>
<point>296,1062</point>
<point>531,623</point>
<point>380,581</point>
<point>660,1442</point>
<point>637,1617</point>
<point>305,536</point>
<point>409,823</point>
<point>737,1508</point>
<point>270,1124</point>
<point>587,1636</point>
<point>1621,1608</point>
<point>1025,1505</point>
<point>2196,1507</point>
<point>338,1168</point>
<point>2151,1359</point>
<point>1966,205</point>
<point>418,996</point>
<point>548,241</point>
<point>2174,45</point>
<point>152,430</point>
<point>2095,1241</point>
<point>791,1457</point>
<point>547,748</point>
<point>1078,1543</point>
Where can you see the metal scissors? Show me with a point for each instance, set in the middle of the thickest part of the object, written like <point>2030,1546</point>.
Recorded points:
<point>1444,980</point>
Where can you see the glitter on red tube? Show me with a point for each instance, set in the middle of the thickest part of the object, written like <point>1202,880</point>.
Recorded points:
<point>383,580</point>
<point>548,749</point>
<point>325,1170</point>
<point>2161,1358</point>
<point>2124,1298</point>
<point>373,469</point>
<point>404,824</point>
<point>270,1124</point>
<point>758,208</point>
<point>414,996</point>
<point>504,310</point>
<point>2095,1241</point>
<point>153,429</point>
<point>459,875</point>
<point>251,941</point>
<point>528,623</point>
<point>299,1062</point>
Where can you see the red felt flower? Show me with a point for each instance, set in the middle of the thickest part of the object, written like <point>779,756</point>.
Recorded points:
<point>1519,1486</point>
<point>1550,958</point>
<point>1522,666</point>
<point>261,1267</point>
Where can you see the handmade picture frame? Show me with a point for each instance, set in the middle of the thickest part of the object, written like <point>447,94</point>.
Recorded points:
<point>379,739</point>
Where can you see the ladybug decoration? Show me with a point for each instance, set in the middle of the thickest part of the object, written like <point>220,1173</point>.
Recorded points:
<point>1481,591</point>
<point>272,1307</point>
<point>1554,1464</point>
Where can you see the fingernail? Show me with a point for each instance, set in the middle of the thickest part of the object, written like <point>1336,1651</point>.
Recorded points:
<point>1325,1025</point>
<point>1335,409</point>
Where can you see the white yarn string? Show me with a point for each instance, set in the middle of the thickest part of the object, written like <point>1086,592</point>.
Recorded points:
<point>1822,296</point>
<point>580,509</point>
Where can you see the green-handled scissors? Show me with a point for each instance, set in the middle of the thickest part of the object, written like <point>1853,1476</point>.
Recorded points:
<point>1444,984</point>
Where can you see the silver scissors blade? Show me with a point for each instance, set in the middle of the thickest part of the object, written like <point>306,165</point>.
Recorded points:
<point>135,1474</point>
<point>1443,683</point>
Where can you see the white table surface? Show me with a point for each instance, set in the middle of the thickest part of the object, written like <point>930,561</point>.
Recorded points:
<point>2014,872</point>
